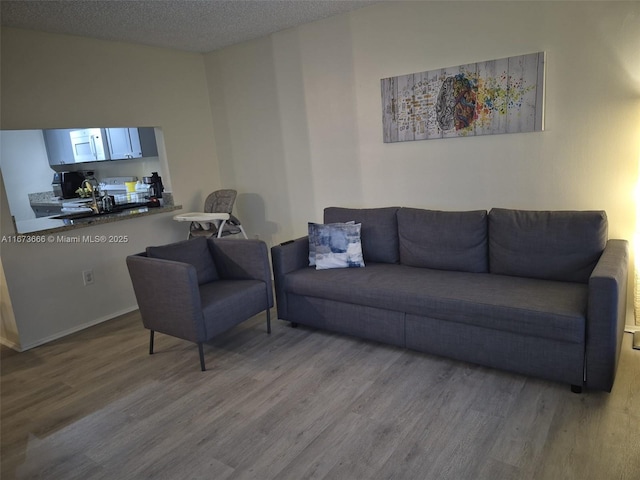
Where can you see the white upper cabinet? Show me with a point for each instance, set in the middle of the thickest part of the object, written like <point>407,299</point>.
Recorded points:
<point>124,143</point>
<point>69,146</point>
<point>58,145</point>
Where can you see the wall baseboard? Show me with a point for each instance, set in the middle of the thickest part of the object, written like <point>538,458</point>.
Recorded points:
<point>10,344</point>
<point>64,333</point>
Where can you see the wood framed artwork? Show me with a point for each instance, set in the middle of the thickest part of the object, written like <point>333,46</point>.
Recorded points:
<point>484,98</point>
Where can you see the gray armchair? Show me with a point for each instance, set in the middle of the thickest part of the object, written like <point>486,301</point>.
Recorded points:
<point>199,288</point>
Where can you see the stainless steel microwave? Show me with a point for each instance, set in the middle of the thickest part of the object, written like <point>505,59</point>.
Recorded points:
<point>89,145</point>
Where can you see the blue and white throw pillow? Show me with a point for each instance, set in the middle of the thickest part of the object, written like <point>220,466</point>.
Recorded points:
<point>313,235</point>
<point>338,245</point>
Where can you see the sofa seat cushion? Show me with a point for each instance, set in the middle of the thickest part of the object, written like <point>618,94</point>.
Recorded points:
<point>542,308</point>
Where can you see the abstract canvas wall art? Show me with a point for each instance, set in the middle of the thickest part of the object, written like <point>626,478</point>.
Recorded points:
<point>484,98</point>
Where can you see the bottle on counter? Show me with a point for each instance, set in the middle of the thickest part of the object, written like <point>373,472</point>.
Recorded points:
<point>142,192</point>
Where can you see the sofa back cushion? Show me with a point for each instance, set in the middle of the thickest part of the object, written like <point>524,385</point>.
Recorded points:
<point>195,252</point>
<point>379,231</point>
<point>559,245</point>
<point>443,240</point>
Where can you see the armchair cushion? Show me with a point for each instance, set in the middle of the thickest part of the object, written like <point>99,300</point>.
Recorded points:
<point>194,251</point>
<point>226,301</point>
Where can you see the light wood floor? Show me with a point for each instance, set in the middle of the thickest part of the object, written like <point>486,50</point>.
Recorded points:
<point>299,404</point>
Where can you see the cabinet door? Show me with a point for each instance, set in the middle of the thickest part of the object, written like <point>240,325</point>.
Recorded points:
<point>124,143</point>
<point>148,141</point>
<point>58,144</point>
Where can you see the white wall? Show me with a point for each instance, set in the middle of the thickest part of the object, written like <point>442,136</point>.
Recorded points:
<point>8,329</point>
<point>44,85</point>
<point>23,159</point>
<point>297,115</point>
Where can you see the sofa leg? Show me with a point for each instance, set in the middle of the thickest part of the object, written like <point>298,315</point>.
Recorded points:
<point>294,325</point>
<point>151,343</point>
<point>576,388</point>
<point>268,320</point>
<point>201,352</point>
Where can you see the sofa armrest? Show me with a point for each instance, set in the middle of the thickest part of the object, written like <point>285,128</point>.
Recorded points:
<point>286,258</point>
<point>242,259</point>
<point>606,315</point>
<point>168,296</point>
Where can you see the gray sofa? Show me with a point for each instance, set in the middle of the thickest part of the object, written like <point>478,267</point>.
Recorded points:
<point>533,292</point>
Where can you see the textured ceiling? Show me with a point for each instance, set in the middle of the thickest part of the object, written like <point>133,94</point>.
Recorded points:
<point>192,25</point>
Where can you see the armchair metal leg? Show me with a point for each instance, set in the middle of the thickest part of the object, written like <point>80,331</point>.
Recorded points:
<point>268,320</point>
<point>201,352</point>
<point>151,343</point>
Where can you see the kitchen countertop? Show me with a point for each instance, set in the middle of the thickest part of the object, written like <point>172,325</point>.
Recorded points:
<point>49,225</point>
<point>45,199</point>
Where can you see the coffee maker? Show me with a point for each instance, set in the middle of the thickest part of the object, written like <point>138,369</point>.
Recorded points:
<point>155,189</point>
<point>65,184</point>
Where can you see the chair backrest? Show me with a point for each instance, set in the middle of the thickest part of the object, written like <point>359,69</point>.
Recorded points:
<point>220,201</point>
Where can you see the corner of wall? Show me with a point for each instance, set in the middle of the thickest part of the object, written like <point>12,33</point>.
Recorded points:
<point>9,335</point>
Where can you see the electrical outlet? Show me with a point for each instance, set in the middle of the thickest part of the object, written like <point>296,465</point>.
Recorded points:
<point>87,277</point>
